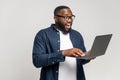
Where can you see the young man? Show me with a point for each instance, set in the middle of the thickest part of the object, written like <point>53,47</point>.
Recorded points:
<point>58,48</point>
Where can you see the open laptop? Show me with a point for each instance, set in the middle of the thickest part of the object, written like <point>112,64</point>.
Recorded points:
<point>99,46</point>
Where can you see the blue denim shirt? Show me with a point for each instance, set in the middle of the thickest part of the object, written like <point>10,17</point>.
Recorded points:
<point>47,54</point>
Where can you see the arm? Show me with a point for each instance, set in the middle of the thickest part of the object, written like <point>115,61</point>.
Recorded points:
<point>75,52</point>
<point>41,56</point>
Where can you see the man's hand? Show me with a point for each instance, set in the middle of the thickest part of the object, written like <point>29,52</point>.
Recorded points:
<point>74,52</point>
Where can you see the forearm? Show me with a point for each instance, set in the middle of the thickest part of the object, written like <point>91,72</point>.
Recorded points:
<point>42,60</point>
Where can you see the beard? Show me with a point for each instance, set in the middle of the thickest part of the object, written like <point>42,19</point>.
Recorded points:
<point>61,27</point>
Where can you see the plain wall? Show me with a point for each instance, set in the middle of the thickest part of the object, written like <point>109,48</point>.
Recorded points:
<point>20,20</point>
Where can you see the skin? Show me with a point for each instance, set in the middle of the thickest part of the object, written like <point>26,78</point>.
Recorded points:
<point>67,24</point>
<point>61,23</point>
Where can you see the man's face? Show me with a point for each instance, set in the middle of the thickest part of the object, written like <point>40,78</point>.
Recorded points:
<point>63,20</point>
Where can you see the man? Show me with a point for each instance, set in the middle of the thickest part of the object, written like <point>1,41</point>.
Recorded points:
<point>58,48</point>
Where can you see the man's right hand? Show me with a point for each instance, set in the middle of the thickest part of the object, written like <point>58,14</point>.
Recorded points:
<point>73,52</point>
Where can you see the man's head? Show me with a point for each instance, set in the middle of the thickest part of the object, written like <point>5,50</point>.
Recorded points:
<point>63,18</point>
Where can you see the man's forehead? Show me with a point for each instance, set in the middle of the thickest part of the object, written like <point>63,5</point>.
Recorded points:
<point>65,11</point>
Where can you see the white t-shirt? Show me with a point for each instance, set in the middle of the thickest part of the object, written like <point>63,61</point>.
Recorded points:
<point>67,69</point>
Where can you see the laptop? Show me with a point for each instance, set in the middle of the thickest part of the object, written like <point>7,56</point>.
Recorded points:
<point>99,46</point>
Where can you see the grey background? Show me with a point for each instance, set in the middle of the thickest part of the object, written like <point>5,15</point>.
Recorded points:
<point>20,20</point>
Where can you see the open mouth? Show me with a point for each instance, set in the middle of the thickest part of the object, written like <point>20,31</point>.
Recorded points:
<point>68,26</point>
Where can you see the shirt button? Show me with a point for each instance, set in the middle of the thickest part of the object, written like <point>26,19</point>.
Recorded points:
<point>52,62</point>
<point>57,32</point>
<point>58,40</point>
<point>58,50</point>
<point>58,60</point>
<point>56,71</point>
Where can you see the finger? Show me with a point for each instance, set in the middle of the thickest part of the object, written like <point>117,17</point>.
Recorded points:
<point>80,52</point>
<point>75,55</point>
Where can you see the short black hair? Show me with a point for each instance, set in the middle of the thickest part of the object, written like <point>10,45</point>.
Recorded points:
<point>57,9</point>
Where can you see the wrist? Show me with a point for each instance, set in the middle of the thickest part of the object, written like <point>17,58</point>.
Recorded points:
<point>63,52</point>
